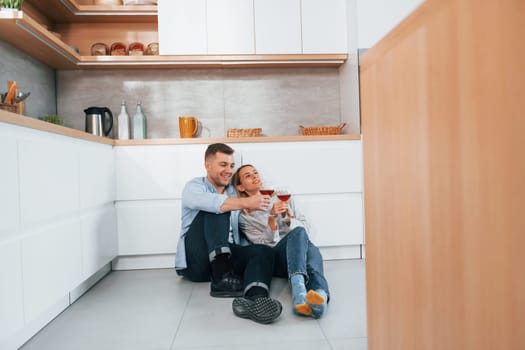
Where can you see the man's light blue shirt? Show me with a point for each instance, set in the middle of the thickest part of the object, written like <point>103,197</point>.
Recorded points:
<point>200,195</point>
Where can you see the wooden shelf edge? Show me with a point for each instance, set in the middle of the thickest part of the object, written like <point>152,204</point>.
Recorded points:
<point>211,61</point>
<point>232,140</point>
<point>26,34</point>
<point>32,123</point>
<point>114,10</point>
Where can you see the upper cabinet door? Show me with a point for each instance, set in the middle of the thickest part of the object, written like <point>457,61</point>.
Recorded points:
<point>182,27</point>
<point>278,26</point>
<point>230,27</point>
<point>324,26</point>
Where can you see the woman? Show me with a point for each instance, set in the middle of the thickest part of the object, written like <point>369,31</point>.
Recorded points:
<point>296,258</point>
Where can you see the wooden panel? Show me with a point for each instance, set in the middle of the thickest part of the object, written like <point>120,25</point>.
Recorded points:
<point>443,126</point>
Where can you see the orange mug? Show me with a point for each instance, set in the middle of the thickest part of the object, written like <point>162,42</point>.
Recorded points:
<point>188,127</point>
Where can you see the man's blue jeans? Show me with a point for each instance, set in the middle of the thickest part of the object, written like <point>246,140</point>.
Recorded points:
<point>295,254</point>
<point>208,235</point>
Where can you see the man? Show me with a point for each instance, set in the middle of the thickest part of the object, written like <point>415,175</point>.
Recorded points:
<point>210,246</point>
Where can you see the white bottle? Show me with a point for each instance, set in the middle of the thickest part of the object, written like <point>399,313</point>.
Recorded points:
<point>123,122</point>
<point>139,124</point>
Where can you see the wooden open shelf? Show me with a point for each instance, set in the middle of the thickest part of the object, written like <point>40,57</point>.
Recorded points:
<point>28,31</point>
<point>69,11</point>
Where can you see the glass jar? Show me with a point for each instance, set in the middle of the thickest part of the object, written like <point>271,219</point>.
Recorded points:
<point>99,49</point>
<point>136,49</point>
<point>118,49</point>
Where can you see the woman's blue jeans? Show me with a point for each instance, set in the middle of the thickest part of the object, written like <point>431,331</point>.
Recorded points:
<point>295,254</point>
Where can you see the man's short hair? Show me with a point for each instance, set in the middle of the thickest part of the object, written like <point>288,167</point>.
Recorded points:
<point>214,148</point>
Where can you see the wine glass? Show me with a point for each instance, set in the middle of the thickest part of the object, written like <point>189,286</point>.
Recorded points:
<point>267,188</point>
<point>284,194</point>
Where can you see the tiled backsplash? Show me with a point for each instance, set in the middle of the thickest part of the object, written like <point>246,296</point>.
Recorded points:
<point>30,75</point>
<point>277,100</point>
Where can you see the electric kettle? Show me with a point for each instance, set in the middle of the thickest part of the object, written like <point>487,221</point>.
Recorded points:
<point>99,120</point>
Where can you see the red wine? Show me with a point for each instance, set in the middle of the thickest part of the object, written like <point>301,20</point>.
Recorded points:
<point>284,197</point>
<point>266,192</point>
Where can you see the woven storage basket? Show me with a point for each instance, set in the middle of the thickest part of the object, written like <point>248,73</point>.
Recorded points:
<point>10,108</point>
<point>244,132</point>
<point>322,130</point>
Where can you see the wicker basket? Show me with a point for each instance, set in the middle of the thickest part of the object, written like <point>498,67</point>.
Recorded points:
<point>244,132</point>
<point>9,108</point>
<point>322,130</point>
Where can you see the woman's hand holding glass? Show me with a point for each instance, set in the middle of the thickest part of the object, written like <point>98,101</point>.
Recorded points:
<point>284,194</point>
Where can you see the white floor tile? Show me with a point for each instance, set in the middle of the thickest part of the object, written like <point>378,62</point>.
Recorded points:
<point>157,310</point>
<point>349,344</point>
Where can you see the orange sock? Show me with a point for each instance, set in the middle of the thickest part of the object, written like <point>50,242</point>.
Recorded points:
<point>317,302</point>
<point>303,309</point>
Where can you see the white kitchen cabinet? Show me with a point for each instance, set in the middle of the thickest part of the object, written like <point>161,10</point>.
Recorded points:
<point>57,224</point>
<point>325,179</point>
<point>51,265</point>
<point>99,239</point>
<point>334,219</point>
<point>308,167</point>
<point>9,203</point>
<point>230,27</point>
<point>48,178</point>
<point>324,27</point>
<point>156,172</point>
<point>96,174</point>
<point>148,227</point>
<point>11,292</point>
<point>182,27</point>
<point>277,26</point>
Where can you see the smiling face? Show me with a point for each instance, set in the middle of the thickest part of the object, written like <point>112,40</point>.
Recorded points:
<point>219,169</point>
<point>247,180</point>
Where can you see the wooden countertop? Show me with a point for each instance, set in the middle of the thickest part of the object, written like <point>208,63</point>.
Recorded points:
<point>32,123</point>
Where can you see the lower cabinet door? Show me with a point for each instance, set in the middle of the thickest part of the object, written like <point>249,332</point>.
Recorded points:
<point>11,292</point>
<point>51,265</point>
<point>148,227</point>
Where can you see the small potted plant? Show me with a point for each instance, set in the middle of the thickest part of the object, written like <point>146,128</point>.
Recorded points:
<point>11,4</point>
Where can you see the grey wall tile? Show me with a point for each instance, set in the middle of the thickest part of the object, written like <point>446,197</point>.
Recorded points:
<point>278,100</point>
<point>30,75</point>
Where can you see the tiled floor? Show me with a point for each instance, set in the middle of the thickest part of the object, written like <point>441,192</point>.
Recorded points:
<point>157,310</point>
